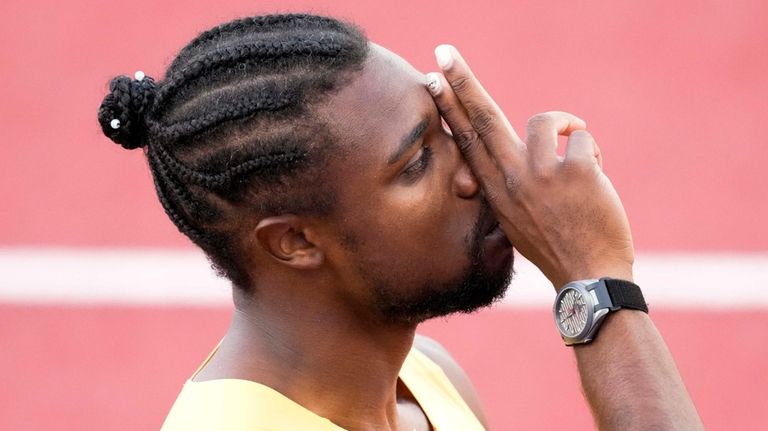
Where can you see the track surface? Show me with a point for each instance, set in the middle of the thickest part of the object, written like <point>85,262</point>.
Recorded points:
<point>120,368</point>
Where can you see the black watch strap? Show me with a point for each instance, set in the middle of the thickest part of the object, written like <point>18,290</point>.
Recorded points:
<point>625,294</point>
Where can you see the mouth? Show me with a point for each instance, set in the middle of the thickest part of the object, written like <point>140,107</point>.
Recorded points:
<point>493,233</point>
<point>497,249</point>
<point>496,234</point>
<point>495,225</point>
<point>489,228</point>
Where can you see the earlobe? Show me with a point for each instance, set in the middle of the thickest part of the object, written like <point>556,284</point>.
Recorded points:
<point>283,238</point>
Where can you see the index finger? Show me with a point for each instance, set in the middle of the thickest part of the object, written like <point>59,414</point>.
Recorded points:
<point>484,114</point>
<point>464,135</point>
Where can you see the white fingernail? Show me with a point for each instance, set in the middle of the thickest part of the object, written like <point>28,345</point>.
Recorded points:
<point>433,83</point>
<point>444,56</point>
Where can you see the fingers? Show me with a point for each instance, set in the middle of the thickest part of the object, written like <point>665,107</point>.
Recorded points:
<point>582,149</point>
<point>485,137</point>
<point>485,117</point>
<point>598,155</point>
<point>464,134</point>
<point>543,130</point>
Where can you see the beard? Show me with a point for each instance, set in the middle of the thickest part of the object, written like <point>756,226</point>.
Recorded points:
<point>476,287</point>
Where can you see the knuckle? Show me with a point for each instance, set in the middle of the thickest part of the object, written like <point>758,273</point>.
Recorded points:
<point>467,141</point>
<point>483,120</point>
<point>446,110</point>
<point>491,194</point>
<point>494,194</point>
<point>578,165</point>
<point>541,173</point>
<point>579,168</point>
<point>582,134</point>
<point>540,121</point>
<point>460,84</point>
<point>512,183</point>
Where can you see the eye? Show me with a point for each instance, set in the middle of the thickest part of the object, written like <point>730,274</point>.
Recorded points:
<point>418,166</point>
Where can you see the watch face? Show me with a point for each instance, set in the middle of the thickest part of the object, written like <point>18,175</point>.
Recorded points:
<point>571,313</point>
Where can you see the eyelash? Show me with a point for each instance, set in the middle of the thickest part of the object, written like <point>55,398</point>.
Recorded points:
<point>420,165</point>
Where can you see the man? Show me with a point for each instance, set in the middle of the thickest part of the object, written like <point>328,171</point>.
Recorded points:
<point>314,169</point>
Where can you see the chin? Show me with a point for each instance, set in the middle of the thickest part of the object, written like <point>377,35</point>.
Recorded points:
<point>483,283</point>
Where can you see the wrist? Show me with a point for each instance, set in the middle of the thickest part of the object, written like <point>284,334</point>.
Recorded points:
<point>621,271</point>
<point>620,328</point>
<point>581,306</point>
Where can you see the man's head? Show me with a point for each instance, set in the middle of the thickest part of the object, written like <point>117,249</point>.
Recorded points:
<point>292,150</point>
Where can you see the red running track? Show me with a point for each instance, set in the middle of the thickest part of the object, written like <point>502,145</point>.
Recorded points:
<point>120,368</point>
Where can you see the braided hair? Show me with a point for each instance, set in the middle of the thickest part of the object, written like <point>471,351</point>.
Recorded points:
<point>230,134</point>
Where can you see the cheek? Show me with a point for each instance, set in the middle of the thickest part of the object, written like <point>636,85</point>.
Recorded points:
<point>421,232</point>
<point>429,210</point>
<point>414,232</point>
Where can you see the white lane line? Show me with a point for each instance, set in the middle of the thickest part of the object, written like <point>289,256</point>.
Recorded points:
<point>184,277</point>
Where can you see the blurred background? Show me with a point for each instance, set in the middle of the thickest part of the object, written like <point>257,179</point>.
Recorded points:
<point>105,309</point>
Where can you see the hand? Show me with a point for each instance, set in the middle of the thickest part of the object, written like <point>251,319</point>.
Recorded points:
<point>561,213</point>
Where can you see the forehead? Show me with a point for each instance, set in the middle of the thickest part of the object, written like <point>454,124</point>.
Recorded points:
<point>379,105</point>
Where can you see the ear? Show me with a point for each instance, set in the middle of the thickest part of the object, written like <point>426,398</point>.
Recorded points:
<point>284,238</point>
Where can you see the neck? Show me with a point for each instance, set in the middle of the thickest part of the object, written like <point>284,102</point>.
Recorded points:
<point>339,364</point>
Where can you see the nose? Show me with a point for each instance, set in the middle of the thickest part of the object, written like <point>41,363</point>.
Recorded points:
<point>465,184</point>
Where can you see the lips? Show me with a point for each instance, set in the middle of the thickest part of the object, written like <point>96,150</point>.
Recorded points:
<point>493,226</point>
<point>492,233</point>
<point>497,249</point>
<point>489,225</point>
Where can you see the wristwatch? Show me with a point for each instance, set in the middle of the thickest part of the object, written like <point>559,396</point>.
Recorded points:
<point>581,306</point>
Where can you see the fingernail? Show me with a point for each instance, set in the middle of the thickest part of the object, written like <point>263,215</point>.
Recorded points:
<point>433,83</point>
<point>444,56</point>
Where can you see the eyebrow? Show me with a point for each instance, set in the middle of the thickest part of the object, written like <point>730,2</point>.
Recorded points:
<point>408,140</point>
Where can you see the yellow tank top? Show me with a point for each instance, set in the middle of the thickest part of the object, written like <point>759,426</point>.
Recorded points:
<point>240,405</point>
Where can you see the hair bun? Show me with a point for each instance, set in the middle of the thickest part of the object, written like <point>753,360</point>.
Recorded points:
<point>122,113</point>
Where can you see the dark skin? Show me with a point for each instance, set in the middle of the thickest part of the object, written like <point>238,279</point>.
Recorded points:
<point>312,329</point>
<point>579,231</point>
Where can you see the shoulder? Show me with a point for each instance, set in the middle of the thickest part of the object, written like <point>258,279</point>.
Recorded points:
<point>440,356</point>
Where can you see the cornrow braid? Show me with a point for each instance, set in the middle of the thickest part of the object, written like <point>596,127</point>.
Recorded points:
<point>268,97</point>
<point>241,26</point>
<point>320,48</point>
<point>170,193</point>
<point>224,178</point>
<point>230,133</point>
